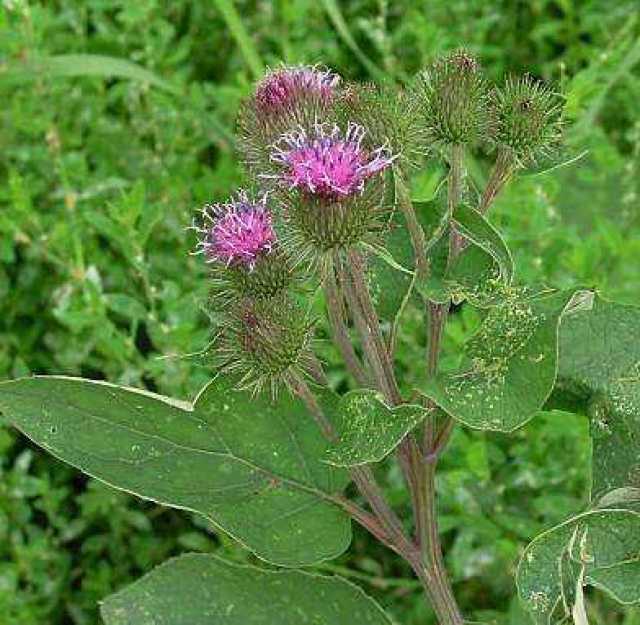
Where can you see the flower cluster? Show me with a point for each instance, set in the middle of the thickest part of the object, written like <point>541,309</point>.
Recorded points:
<point>319,174</point>
<point>322,152</point>
<point>328,163</point>
<point>286,86</point>
<point>237,232</point>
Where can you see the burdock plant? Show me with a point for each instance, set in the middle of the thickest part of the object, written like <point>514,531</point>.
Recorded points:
<point>280,459</point>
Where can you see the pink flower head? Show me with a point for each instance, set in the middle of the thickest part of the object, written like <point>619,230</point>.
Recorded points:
<point>284,86</point>
<point>237,232</point>
<point>329,164</point>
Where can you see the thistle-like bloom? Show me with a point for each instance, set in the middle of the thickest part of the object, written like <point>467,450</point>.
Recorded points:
<point>288,85</point>
<point>286,98</point>
<point>237,232</point>
<point>328,163</point>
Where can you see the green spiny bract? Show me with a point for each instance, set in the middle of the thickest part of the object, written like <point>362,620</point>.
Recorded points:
<point>526,119</point>
<point>452,97</point>
<point>317,226</point>
<point>273,275</point>
<point>265,343</point>
<point>390,116</point>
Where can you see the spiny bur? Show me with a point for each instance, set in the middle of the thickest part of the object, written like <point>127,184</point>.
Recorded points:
<point>453,97</point>
<point>526,119</point>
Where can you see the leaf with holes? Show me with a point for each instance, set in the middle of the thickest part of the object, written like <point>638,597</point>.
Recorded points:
<point>599,375</point>
<point>223,593</point>
<point>600,548</point>
<point>252,466</point>
<point>510,363</point>
<point>369,429</point>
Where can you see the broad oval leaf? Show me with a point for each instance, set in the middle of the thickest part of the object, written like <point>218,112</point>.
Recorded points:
<point>222,593</point>
<point>510,364</point>
<point>599,548</point>
<point>253,467</point>
<point>369,429</point>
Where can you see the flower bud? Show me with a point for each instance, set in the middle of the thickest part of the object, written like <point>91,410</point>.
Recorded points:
<point>452,96</point>
<point>284,99</point>
<point>525,119</point>
<point>264,342</point>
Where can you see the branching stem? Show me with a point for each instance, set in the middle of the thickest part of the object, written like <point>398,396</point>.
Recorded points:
<point>385,525</point>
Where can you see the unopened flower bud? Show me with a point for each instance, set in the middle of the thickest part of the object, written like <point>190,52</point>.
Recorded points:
<point>390,116</point>
<point>264,342</point>
<point>453,99</point>
<point>525,119</point>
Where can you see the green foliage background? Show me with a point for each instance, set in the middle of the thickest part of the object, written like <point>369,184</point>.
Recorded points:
<point>102,173</point>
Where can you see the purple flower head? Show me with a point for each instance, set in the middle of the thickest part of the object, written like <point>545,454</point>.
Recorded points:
<point>283,86</point>
<point>329,164</point>
<point>237,232</point>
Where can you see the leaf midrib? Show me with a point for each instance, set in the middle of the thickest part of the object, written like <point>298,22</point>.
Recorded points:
<point>294,484</point>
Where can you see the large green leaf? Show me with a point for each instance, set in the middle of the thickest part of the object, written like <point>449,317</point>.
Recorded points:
<point>598,374</point>
<point>369,429</point>
<point>599,370</point>
<point>200,589</point>
<point>252,466</point>
<point>510,363</point>
<point>603,545</point>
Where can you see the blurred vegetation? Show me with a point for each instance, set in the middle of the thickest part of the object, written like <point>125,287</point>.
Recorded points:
<point>103,162</point>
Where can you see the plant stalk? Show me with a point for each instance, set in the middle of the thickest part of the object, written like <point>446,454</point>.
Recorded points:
<point>366,319</point>
<point>337,320</point>
<point>391,531</point>
<point>361,299</point>
<point>413,226</point>
<point>437,585</point>
<point>502,171</point>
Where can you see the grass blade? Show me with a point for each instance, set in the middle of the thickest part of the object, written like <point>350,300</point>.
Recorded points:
<point>335,15</point>
<point>239,33</point>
